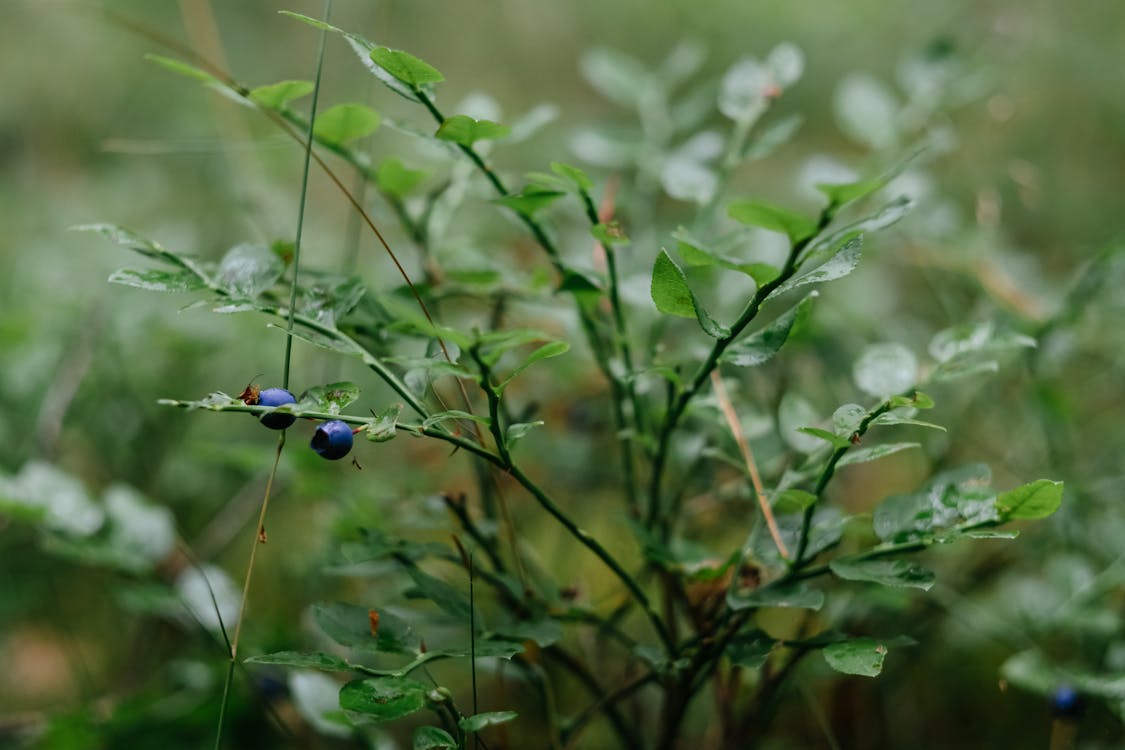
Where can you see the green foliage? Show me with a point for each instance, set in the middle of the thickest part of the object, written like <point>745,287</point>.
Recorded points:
<point>345,122</point>
<point>391,587</point>
<point>774,218</point>
<point>465,131</point>
<point>858,656</point>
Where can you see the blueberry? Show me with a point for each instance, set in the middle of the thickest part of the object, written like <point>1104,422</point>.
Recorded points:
<point>276,397</point>
<point>332,440</point>
<point>1066,702</point>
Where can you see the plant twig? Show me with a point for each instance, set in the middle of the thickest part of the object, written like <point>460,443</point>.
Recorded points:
<point>683,398</point>
<point>748,457</point>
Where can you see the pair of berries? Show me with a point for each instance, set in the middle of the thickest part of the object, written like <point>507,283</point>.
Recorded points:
<point>332,439</point>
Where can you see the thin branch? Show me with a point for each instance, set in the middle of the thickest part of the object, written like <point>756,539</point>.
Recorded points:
<point>751,466</point>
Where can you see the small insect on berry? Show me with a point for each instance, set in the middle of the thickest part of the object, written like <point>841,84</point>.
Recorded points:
<point>332,440</point>
<point>276,397</point>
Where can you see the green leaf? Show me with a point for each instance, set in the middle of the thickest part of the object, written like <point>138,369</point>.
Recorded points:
<point>793,413</point>
<point>750,650</point>
<point>742,91</point>
<point>158,281</point>
<point>991,534</point>
<point>786,63</point>
<point>609,234</point>
<point>382,427</point>
<point>695,254</point>
<point>518,430</point>
<point>494,344</point>
<point>405,67</point>
<point>1032,671</point>
<point>969,350</point>
<point>499,648</point>
<point>773,137</point>
<point>332,398</point>
<point>884,370</point>
<point>547,351</point>
<point>895,419</point>
<point>345,122</point>
<point>474,276</point>
<point>316,23</point>
<point>350,625</point>
<point>858,656</point>
<point>277,95</point>
<point>886,216</point>
<point>863,455</point>
<point>847,419</point>
<point>316,338</point>
<point>899,573</point>
<point>615,75</point>
<point>445,416</point>
<point>185,69</point>
<point>299,660</point>
<point>754,213</point>
<point>433,738</point>
<point>248,270</point>
<point>867,112</point>
<point>792,500</point>
<point>544,632</point>
<point>147,248</point>
<point>1038,499</point>
<point>957,495</point>
<point>840,264</point>
<point>395,179</point>
<point>798,595</point>
<point>670,290</point>
<point>531,200</point>
<point>760,346</point>
<point>574,175</point>
<point>672,296</point>
<point>827,529</point>
<point>836,441</point>
<point>327,298</point>
<point>466,131</point>
<point>446,597</point>
<point>384,698</point>
<point>841,194</point>
<point>582,284</point>
<point>477,722</point>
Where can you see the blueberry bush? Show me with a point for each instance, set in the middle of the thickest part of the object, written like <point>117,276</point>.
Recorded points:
<point>640,452</point>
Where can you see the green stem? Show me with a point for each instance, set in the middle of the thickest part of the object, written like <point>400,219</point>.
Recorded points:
<point>537,231</point>
<point>626,736</point>
<point>370,360</point>
<point>681,401</point>
<point>304,194</point>
<point>619,391</point>
<point>609,701</point>
<point>494,423</point>
<point>594,546</point>
<point>826,476</point>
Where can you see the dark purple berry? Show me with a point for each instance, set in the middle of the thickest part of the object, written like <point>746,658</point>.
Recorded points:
<point>1066,702</point>
<point>332,440</point>
<point>276,397</point>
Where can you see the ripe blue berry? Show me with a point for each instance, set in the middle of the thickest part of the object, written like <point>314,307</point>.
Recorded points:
<point>332,440</point>
<point>276,397</point>
<point>1066,702</point>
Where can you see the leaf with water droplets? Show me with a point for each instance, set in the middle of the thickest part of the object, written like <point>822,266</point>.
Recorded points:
<point>885,369</point>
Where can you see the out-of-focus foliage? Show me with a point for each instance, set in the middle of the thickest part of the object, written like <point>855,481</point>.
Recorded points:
<point>1013,232</point>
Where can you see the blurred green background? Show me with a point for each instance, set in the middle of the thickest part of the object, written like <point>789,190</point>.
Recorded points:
<point>90,132</point>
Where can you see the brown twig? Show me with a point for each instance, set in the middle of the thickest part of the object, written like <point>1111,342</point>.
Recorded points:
<point>751,466</point>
